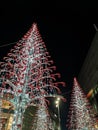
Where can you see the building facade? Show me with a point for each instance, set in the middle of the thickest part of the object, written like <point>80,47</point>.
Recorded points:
<point>88,76</point>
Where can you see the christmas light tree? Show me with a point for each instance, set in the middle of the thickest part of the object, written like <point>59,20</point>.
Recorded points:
<point>27,74</point>
<point>44,83</point>
<point>42,120</point>
<point>81,114</point>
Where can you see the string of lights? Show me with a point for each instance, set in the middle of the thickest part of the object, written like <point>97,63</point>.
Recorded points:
<point>7,44</point>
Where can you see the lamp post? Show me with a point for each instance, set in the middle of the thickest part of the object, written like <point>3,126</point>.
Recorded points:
<point>57,105</point>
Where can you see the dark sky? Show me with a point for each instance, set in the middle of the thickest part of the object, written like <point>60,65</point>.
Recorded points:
<point>66,35</point>
<point>67,42</point>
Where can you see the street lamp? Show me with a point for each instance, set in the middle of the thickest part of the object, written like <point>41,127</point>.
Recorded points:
<point>57,105</point>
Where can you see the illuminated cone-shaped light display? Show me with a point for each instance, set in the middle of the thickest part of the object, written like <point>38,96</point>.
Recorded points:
<point>42,119</point>
<point>44,82</point>
<point>81,114</point>
<point>27,74</point>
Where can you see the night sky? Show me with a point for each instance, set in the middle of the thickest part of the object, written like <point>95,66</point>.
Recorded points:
<point>66,37</point>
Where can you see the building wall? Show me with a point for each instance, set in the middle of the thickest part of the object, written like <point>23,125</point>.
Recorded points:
<point>88,76</point>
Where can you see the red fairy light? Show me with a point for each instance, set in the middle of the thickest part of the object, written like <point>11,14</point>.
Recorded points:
<point>51,61</point>
<point>32,87</point>
<point>63,99</point>
<point>57,89</point>
<point>47,53</point>
<point>53,67</point>
<point>57,74</point>
<point>20,91</point>
<point>19,125</point>
<point>58,83</point>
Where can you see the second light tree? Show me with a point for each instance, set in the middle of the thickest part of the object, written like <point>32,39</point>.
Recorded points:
<point>81,114</point>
